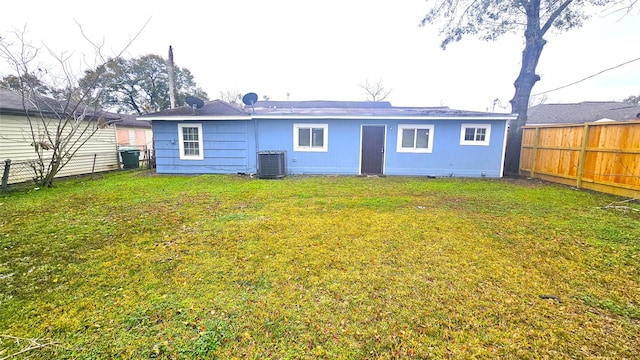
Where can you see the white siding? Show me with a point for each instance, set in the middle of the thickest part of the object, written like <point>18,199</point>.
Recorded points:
<point>149,137</point>
<point>15,144</point>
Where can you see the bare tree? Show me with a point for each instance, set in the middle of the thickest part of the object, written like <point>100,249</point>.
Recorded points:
<point>497,103</point>
<point>538,99</point>
<point>62,116</point>
<point>233,97</point>
<point>375,91</point>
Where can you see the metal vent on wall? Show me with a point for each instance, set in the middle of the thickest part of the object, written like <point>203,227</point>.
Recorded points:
<point>271,164</point>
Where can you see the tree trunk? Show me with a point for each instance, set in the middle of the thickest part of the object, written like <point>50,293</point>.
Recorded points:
<point>47,181</point>
<point>134,105</point>
<point>523,84</point>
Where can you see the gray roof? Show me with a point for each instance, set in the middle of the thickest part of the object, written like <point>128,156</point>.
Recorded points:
<point>318,109</point>
<point>323,104</point>
<point>11,103</point>
<point>212,108</point>
<point>11,100</point>
<point>360,109</point>
<point>130,121</point>
<point>578,113</point>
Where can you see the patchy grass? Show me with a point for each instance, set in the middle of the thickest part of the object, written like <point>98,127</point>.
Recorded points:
<point>135,265</point>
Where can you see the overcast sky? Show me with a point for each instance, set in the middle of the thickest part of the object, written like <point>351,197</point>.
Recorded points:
<point>323,50</point>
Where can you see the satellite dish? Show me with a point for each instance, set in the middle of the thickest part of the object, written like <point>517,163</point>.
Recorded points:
<point>250,99</point>
<point>194,102</point>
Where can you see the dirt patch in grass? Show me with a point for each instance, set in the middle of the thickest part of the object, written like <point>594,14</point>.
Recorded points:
<point>527,182</point>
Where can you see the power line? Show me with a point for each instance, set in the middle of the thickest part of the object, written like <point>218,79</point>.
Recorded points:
<point>588,77</point>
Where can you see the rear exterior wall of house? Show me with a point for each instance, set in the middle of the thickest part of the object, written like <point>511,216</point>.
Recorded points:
<point>450,148</point>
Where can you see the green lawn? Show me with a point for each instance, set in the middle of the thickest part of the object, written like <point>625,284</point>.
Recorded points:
<point>137,265</point>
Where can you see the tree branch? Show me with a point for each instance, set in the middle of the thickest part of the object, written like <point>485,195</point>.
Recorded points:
<point>33,344</point>
<point>554,16</point>
<point>67,119</point>
<point>375,92</point>
<point>616,205</point>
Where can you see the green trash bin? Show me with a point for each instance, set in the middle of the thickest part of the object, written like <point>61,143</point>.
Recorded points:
<point>130,158</point>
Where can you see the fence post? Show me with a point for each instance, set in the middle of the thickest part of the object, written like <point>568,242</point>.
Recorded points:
<point>536,142</point>
<point>93,167</point>
<point>583,154</point>
<point>5,174</point>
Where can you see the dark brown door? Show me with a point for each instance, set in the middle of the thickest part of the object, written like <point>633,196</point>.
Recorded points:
<point>372,150</point>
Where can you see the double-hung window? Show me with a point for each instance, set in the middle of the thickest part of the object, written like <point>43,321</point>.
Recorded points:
<point>190,141</point>
<point>310,137</point>
<point>475,134</point>
<point>415,138</point>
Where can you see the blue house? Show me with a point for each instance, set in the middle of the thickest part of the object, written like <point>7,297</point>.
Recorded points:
<point>329,137</point>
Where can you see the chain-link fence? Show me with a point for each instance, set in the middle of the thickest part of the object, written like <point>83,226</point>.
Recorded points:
<point>24,171</point>
<point>149,160</point>
<point>16,172</point>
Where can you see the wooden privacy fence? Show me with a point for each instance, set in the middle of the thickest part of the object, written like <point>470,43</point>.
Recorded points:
<point>601,156</point>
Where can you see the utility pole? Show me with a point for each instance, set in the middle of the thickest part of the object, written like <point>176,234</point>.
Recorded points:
<point>172,80</point>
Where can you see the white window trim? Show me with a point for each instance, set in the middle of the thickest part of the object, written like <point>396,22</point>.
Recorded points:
<point>181,142</point>
<point>487,136</point>
<point>429,148</point>
<point>325,142</point>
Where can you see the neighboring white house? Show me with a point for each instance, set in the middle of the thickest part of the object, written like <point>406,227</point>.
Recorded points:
<point>97,155</point>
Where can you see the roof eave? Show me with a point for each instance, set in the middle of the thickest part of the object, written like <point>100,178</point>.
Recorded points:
<point>53,115</point>
<point>381,117</point>
<point>193,117</point>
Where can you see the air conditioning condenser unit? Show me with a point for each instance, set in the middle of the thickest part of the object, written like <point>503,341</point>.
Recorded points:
<point>272,164</point>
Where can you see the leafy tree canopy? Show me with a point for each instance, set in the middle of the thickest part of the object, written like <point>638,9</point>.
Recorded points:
<point>33,83</point>
<point>489,19</point>
<point>140,85</point>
